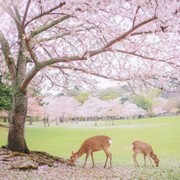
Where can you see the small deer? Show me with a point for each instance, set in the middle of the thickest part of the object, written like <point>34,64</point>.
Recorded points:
<point>146,150</point>
<point>91,145</point>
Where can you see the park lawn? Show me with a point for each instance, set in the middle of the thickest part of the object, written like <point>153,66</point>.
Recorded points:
<point>162,133</point>
<point>3,136</point>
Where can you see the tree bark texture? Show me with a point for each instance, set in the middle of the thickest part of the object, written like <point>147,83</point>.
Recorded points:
<point>16,136</point>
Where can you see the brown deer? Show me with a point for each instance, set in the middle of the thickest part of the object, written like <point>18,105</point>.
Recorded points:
<point>146,150</point>
<point>91,145</point>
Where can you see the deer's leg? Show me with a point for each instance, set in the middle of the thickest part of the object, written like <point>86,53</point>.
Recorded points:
<point>144,160</point>
<point>150,161</point>
<point>110,159</point>
<point>108,155</point>
<point>106,161</point>
<point>87,155</point>
<point>135,160</point>
<point>92,159</point>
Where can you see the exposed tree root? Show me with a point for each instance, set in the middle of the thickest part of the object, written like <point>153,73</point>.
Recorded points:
<point>32,160</point>
<point>5,126</point>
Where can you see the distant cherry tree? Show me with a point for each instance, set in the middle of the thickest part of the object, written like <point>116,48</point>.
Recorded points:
<point>63,43</point>
<point>60,107</point>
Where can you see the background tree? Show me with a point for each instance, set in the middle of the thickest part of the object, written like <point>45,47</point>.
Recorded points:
<point>5,96</point>
<point>143,102</point>
<point>82,97</point>
<point>146,102</point>
<point>62,43</point>
<point>110,93</point>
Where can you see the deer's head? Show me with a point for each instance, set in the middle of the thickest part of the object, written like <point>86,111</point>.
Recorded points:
<point>73,158</point>
<point>156,160</point>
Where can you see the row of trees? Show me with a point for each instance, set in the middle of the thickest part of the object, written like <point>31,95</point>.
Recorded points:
<point>155,103</point>
<point>147,101</point>
<point>112,102</point>
<point>93,108</point>
<point>70,108</point>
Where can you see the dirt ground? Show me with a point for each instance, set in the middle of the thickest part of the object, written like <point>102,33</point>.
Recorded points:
<point>28,167</point>
<point>64,172</point>
<point>43,166</point>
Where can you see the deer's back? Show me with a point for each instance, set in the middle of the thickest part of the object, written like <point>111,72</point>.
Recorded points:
<point>142,147</point>
<point>97,143</point>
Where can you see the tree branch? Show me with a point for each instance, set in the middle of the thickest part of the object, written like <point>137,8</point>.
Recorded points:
<point>85,56</point>
<point>135,16</point>
<point>89,72</point>
<point>7,54</point>
<point>89,54</point>
<point>29,77</point>
<point>79,69</point>
<point>46,13</point>
<point>9,11</point>
<point>53,37</point>
<point>145,57</point>
<point>120,38</point>
<point>57,36</point>
<point>26,11</point>
<point>30,50</point>
<point>48,26</point>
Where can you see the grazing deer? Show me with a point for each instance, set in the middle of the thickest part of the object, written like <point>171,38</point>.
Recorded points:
<point>91,145</point>
<point>146,150</point>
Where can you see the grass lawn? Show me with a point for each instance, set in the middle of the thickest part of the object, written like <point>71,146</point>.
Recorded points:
<point>162,133</point>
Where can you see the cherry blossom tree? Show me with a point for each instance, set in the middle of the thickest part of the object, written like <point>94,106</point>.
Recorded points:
<point>63,42</point>
<point>63,106</point>
<point>166,106</point>
<point>94,107</point>
<point>34,108</point>
<point>130,110</point>
<point>158,107</point>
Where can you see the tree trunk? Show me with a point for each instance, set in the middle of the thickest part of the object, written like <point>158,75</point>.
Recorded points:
<point>16,136</point>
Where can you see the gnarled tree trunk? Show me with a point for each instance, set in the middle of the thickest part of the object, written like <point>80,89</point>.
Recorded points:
<point>16,136</point>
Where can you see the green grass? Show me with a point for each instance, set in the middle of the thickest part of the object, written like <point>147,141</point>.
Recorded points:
<point>3,136</point>
<point>162,133</point>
